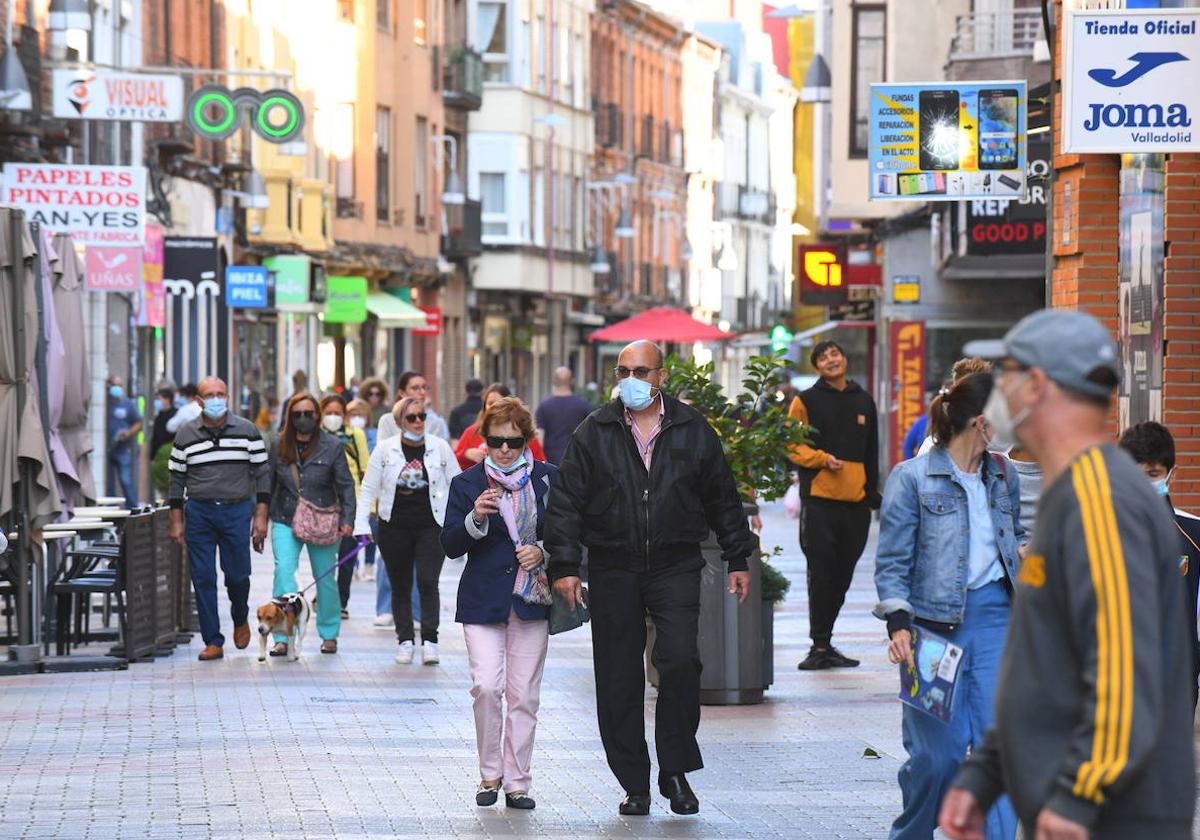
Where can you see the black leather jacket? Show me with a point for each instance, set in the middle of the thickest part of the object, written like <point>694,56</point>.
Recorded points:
<point>604,498</point>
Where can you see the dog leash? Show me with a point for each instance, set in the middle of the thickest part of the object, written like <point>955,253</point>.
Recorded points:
<point>362,543</point>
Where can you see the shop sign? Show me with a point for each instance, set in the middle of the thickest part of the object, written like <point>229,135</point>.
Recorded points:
<point>106,95</point>
<point>216,112</point>
<point>906,343</point>
<point>821,274</point>
<point>154,296</point>
<point>190,267</point>
<point>96,205</point>
<point>110,269</point>
<point>433,321</point>
<point>246,287</point>
<point>345,300</point>
<point>1129,84</point>
<point>947,141</point>
<point>291,278</point>
<point>906,289</point>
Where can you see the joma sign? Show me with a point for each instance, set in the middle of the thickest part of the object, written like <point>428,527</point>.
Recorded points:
<point>1130,81</point>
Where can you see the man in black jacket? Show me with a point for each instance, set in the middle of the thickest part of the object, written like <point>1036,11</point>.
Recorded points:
<point>642,482</point>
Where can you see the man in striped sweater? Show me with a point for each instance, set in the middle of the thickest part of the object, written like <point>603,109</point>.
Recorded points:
<point>220,480</point>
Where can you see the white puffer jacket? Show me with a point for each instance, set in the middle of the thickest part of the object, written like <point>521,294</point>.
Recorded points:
<point>383,471</point>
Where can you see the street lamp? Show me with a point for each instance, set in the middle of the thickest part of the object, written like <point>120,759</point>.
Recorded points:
<point>624,228</point>
<point>818,82</point>
<point>254,193</point>
<point>447,148</point>
<point>599,263</point>
<point>69,14</point>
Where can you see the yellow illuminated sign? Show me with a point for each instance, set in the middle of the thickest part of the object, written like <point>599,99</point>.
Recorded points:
<point>822,268</point>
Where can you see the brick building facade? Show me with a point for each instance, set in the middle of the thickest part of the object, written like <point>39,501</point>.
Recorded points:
<point>1086,251</point>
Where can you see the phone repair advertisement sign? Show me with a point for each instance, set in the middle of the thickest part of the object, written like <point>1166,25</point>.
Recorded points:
<point>1130,81</point>
<point>948,141</point>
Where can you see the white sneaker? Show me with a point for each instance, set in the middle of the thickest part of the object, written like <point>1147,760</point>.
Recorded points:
<point>368,571</point>
<point>358,573</point>
<point>385,620</point>
<point>405,656</point>
<point>429,654</point>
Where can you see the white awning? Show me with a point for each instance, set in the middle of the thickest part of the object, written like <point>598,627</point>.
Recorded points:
<point>393,313</point>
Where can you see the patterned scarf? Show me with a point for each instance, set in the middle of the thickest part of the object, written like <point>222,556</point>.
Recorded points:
<point>518,509</point>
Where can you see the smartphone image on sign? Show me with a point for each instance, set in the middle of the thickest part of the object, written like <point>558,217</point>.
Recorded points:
<point>885,183</point>
<point>998,128</point>
<point>938,132</point>
<point>910,184</point>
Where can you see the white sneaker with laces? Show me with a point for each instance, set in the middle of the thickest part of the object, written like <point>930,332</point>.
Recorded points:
<point>368,571</point>
<point>405,656</point>
<point>385,620</point>
<point>429,653</point>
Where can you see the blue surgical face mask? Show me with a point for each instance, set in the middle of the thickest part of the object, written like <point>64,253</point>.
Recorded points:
<point>635,393</point>
<point>215,408</point>
<point>511,468</point>
<point>413,437</point>
<point>1162,486</point>
<point>116,391</point>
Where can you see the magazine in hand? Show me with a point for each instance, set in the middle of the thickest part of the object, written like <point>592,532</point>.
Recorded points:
<point>929,686</point>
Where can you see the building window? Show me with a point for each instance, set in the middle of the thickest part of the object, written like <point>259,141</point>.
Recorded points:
<point>493,203</point>
<point>421,179</point>
<point>344,175</point>
<point>868,65</point>
<point>383,15</point>
<point>542,50</point>
<point>383,164</point>
<point>492,39</point>
<point>345,9</point>
<point>420,21</point>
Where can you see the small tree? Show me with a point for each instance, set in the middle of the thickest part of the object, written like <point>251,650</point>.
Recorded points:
<point>755,430</point>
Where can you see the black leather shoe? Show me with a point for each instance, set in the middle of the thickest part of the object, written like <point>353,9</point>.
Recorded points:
<point>635,805</point>
<point>839,660</point>
<point>676,788</point>
<point>817,660</point>
<point>519,801</point>
<point>486,796</point>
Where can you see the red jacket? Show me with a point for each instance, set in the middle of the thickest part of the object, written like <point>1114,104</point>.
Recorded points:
<point>471,439</point>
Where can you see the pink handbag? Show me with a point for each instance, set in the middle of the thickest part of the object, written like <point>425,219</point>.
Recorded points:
<point>312,524</point>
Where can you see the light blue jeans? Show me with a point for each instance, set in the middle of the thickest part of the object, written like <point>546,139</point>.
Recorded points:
<point>321,558</point>
<point>936,749</point>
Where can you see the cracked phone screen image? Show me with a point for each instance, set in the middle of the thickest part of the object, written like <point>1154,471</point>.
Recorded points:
<point>939,132</point>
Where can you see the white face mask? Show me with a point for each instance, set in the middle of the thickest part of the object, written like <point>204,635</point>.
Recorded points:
<point>1004,424</point>
<point>332,422</point>
<point>358,422</point>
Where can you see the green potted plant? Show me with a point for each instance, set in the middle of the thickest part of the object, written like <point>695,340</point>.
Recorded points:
<point>756,434</point>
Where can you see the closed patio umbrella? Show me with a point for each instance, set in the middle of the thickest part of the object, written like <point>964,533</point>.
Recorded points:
<point>71,444</point>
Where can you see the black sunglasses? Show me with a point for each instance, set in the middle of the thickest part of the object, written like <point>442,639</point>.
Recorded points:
<point>413,418</point>
<point>374,393</point>
<point>514,443</point>
<point>639,372</point>
<point>312,414</point>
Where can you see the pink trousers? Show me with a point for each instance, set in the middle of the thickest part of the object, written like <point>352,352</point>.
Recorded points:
<point>506,665</point>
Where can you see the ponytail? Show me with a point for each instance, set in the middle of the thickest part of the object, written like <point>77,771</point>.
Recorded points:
<point>953,409</point>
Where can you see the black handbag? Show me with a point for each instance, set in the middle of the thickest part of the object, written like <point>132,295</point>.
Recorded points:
<point>563,618</point>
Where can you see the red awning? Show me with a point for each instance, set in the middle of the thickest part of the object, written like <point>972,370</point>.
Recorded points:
<point>663,324</point>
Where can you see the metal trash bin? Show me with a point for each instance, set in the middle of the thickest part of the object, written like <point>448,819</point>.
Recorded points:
<point>731,634</point>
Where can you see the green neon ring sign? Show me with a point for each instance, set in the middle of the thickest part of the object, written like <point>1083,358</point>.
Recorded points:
<point>258,104</point>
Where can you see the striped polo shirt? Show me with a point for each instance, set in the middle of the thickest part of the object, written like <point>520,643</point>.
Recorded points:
<point>219,463</point>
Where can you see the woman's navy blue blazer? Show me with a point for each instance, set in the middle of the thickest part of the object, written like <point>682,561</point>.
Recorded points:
<point>485,590</point>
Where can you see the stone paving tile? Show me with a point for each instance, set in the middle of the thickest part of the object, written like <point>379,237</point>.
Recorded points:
<point>354,746</point>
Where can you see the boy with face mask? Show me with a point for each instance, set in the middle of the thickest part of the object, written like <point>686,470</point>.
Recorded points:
<point>1153,447</point>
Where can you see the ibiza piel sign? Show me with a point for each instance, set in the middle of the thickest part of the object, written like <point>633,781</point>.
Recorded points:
<point>1130,83</point>
<point>104,95</point>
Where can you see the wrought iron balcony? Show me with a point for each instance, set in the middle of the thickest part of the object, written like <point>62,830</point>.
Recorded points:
<point>462,78</point>
<point>996,34</point>
<point>464,230</point>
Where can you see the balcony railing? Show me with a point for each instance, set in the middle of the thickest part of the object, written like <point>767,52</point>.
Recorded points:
<point>462,78</point>
<point>464,230</point>
<point>348,208</point>
<point>609,125</point>
<point>727,199</point>
<point>756,205</point>
<point>996,34</point>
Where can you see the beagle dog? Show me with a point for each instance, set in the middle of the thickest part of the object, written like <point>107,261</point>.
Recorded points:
<point>287,614</point>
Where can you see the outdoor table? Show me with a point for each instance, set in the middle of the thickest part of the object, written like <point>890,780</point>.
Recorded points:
<point>118,501</point>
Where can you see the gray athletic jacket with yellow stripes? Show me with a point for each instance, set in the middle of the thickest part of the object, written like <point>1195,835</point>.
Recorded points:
<point>1093,705</point>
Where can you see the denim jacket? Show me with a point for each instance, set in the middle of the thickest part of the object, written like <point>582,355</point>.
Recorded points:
<point>921,566</point>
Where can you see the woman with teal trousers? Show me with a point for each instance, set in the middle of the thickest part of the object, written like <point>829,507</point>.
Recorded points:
<point>309,463</point>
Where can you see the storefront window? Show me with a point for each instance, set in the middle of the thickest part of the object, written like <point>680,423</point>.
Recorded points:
<point>1140,288</point>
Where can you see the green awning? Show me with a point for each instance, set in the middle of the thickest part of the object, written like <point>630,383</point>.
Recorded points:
<point>393,313</point>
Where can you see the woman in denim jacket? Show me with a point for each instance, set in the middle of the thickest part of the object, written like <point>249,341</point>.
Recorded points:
<point>950,528</point>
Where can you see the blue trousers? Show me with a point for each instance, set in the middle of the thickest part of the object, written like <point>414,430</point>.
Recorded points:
<point>120,471</point>
<point>936,749</point>
<point>207,527</point>
<point>321,558</point>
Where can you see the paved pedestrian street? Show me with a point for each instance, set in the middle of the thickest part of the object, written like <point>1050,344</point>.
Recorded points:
<point>355,746</point>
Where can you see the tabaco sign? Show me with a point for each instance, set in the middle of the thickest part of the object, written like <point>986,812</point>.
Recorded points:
<point>96,205</point>
<point>821,274</point>
<point>906,342</point>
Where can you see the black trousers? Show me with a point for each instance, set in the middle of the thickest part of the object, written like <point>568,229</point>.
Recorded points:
<point>402,548</point>
<point>833,536</point>
<point>345,572</point>
<point>619,601</point>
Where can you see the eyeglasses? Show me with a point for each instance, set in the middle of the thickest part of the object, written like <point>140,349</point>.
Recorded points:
<point>413,418</point>
<point>375,394</point>
<point>640,372</point>
<point>514,443</point>
<point>312,414</point>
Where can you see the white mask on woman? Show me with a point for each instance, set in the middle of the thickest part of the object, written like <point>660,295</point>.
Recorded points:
<point>332,422</point>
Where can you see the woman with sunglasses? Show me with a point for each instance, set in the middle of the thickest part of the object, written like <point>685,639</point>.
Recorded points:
<point>310,464</point>
<point>472,448</point>
<point>409,476</point>
<point>495,516</point>
<point>374,392</point>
